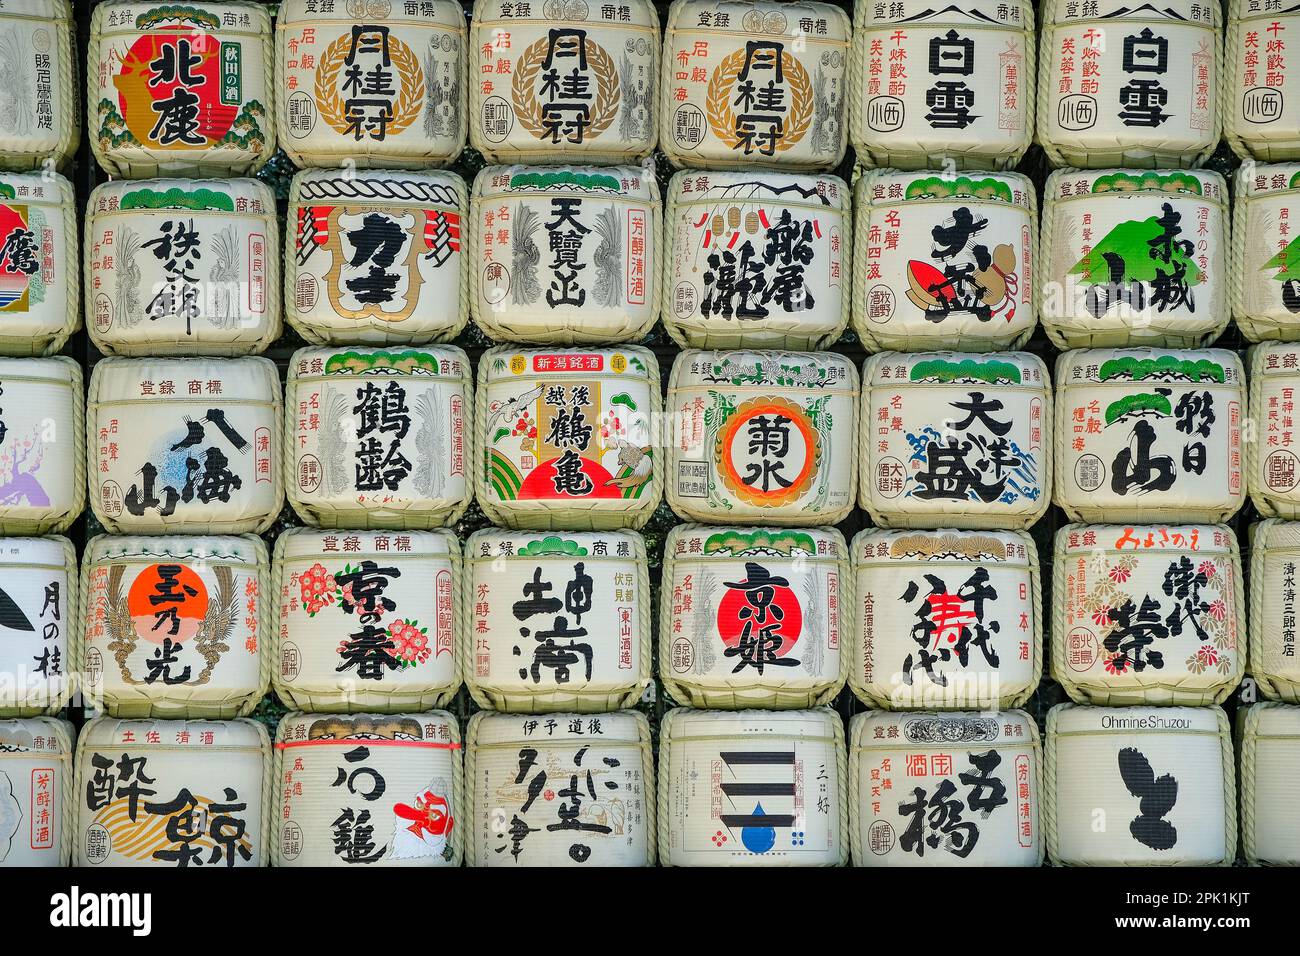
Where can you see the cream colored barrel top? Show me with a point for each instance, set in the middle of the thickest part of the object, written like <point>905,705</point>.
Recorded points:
<point>563,79</point>
<point>762,437</point>
<point>565,255</point>
<point>756,261</point>
<point>556,621</point>
<point>1274,548</point>
<point>944,262</point>
<point>376,257</point>
<point>40,98</point>
<point>180,89</point>
<point>40,296</point>
<point>1271,458</point>
<point>379,438</point>
<point>930,83</point>
<point>38,579</point>
<point>368,790</point>
<point>1259,97</point>
<point>176,626</point>
<point>408,112</point>
<point>1148,614</point>
<point>173,793</point>
<point>1134,258</point>
<point>753,617</point>
<point>1269,750</point>
<point>945,619</point>
<point>903,765</point>
<point>36,792</point>
<point>955,440</point>
<point>185,444</point>
<point>182,266</point>
<point>1264,262</point>
<point>42,444</point>
<point>569,438</point>
<point>1149,434</point>
<point>368,620</point>
<point>1160,779</point>
<point>1123,84</point>
<point>753,788</point>
<point>754,83</point>
<point>600,766</point>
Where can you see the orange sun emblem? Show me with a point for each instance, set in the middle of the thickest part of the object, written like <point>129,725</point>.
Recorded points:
<point>167,601</point>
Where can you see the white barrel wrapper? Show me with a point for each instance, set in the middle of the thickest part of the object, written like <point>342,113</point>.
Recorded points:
<point>1264,261</point>
<point>753,617</point>
<point>38,626</point>
<point>1272,456</point>
<point>40,99</point>
<point>1274,558</point>
<point>368,620</point>
<point>556,621</point>
<point>601,771</point>
<point>956,440</point>
<point>984,768</point>
<point>173,793</point>
<point>40,292</point>
<point>1148,614</point>
<point>1259,120</point>
<point>368,790</point>
<point>42,444</point>
<point>36,792</point>
<point>409,111</point>
<point>379,438</point>
<point>945,619</point>
<point>1139,786</point>
<point>1269,747</point>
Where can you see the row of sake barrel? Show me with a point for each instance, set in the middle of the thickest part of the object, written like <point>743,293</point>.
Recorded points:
<point>190,626</point>
<point>206,89</point>
<point>390,257</point>
<point>1112,786</point>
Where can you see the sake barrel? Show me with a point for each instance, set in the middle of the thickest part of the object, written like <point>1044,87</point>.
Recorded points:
<point>185,444</point>
<point>368,790</point>
<point>1263,287</point>
<point>598,280</point>
<point>39,100</point>
<point>377,437</point>
<point>569,439</point>
<point>1128,85</point>
<point>36,792</point>
<point>1257,121</point>
<point>929,84</point>
<point>38,582</point>
<point>943,261</point>
<point>380,84</point>
<point>39,264</point>
<point>1274,548</point>
<point>1148,614</point>
<point>42,444</point>
<point>180,89</point>
<point>945,619</point>
<point>983,768</point>
<point>754,83</point>
<point>173,793</point>
<point>375,257</point>
<point>368,620</point>
<point>954,440</point>
<point>764,438</point>
<point>1271,454</point>
<point>1149,434</point>
<point>752,788</point>
<point>1139,786</point>
<point>1269,748</point>
<point>176,626</point>
<point>1134,258</point>
<point>561,80</point>
<point>600,769</point>
<point>556,622</point>
<point>753,617</point>
<point>756,261</point>
<point>182,266</point>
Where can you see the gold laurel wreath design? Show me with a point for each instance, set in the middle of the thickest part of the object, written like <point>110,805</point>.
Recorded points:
<point>523,87</point>
<point>408,105</point>
<point>723,119</point>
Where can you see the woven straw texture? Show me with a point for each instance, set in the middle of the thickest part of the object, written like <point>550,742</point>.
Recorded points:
<point>1271,542</point>
<point>1252,249</point>
<point>68,500</point>
<point>71,624</point>
<point>1268,759</point>
<point>52,339</point>
<point>1264,143</point>
<point>21,154</point>
<point>64,733</point>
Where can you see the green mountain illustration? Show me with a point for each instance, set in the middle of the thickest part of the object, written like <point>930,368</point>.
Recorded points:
<point>1286,262</point>
<point>1131,242</point>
